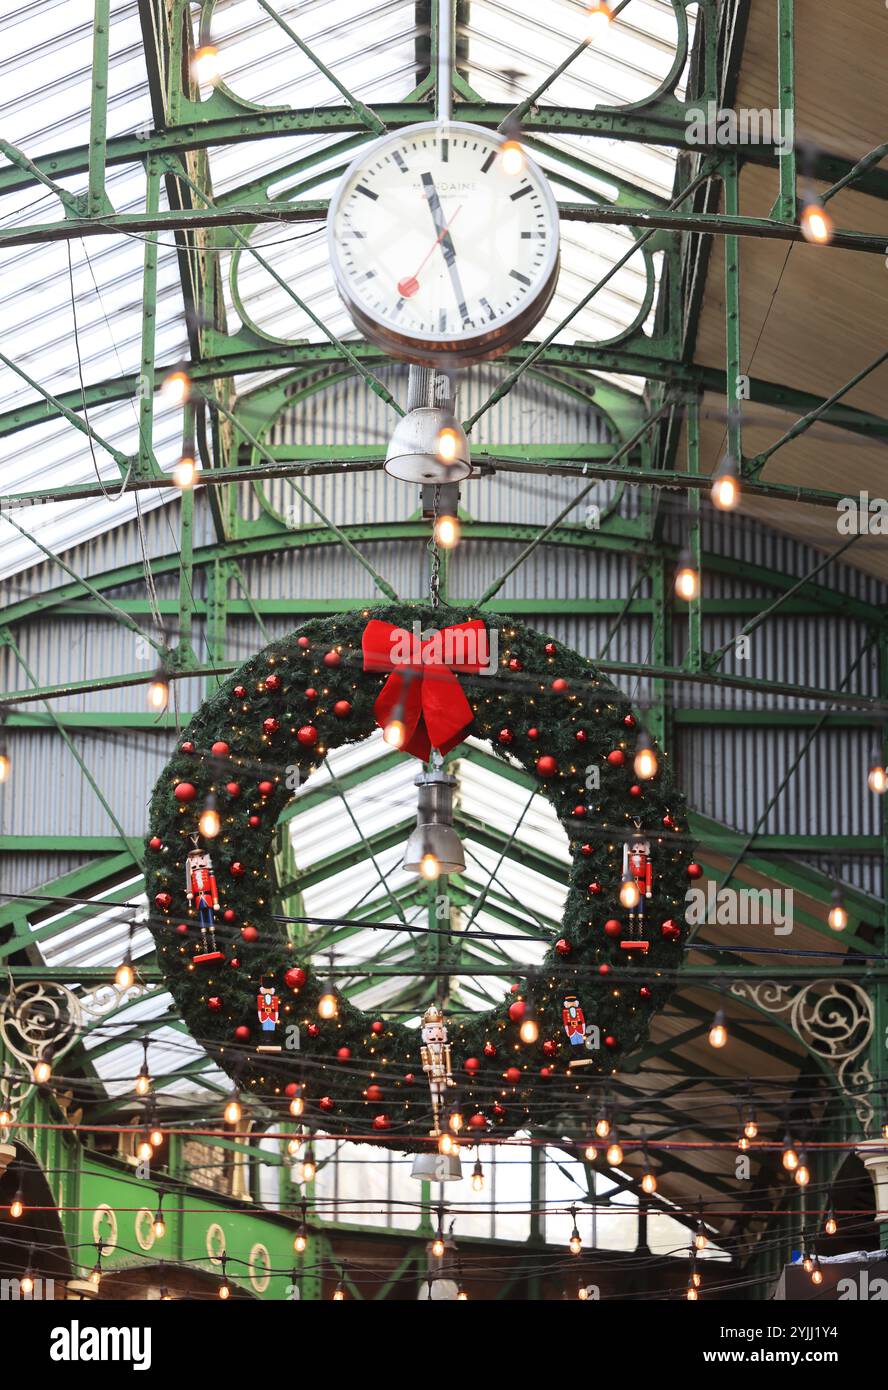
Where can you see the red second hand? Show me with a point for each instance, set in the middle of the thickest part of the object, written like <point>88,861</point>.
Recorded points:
<point>408,287</point>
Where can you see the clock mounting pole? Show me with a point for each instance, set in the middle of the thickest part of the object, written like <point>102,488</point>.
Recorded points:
<point>444,82</point>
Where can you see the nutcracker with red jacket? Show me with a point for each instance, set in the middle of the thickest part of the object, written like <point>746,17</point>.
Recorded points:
<point>202,894</point>
<point>436,1060</point>
<point>269,1008</point>
<point>638,869</point>
<point>574,1020</point>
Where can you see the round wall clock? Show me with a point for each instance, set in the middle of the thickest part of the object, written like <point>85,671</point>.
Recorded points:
<point>444,243</point>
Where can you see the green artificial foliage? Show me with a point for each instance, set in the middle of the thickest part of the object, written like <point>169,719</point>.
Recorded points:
<point>577,726</point>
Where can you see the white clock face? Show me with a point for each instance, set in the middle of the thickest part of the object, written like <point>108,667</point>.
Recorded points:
<point>440,247</point>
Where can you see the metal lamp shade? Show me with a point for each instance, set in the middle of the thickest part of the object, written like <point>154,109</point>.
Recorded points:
<point>434,833</point>
<point>412,454</point>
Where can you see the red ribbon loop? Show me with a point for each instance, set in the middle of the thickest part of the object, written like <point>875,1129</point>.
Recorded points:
<point>422,690</point>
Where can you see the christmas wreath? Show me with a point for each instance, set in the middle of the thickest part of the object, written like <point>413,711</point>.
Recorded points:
<point>271,1018</point>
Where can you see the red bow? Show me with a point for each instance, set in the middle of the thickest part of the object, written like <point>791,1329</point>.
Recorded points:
<point>422,691</point>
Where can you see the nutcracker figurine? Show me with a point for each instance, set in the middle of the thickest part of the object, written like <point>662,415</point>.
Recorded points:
<point>269,1010</point>
<point>637,865</point>
<point>574,1020</point>
<point>436,1061</point>
<point>202,893</point>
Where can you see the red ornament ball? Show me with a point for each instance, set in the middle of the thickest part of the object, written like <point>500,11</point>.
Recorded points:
<point>409,1078</point>
<point>254,820</point>
<point>214,1004</point>
<point>515,663</point>
<point>472,1064</point>
<point>586,850</point>
<point>312,1030</point>
<point>373,1093</point>
<point>644,992</point>
<point>489,1049</point>
<point>233,788</point>
<point>563,946</point>
<point>182,928</point>
<point>326,1103</point>
<point>546,1072</point>
<point>303,642</point>
<point>266,788</point>
<point>498,1109</point>
<point>581,735</point>
<point>295,977</point>
<point>185,792</point>
<point>155,842</point>
<point>342,709</point>
<point>505,737</point>
<point>595,888</point>
<point>377,1026</point>
<point>694,871</point>
<point>560,685</point>
<point>533,733</point>
<point>307,736</point>
<point>517,1010</point>
<point>670,930</point>
<point>220,749</point>
<point>629,721</point>
<point>332,658</point>
<point>604,969</point>
<point>239,692</point>
<point>546,766</point>
<point>187,746</point>
<point>579,812</point>
<point>310,693</point>
<point>270,725</point>
<point>237,870</point>
<point>550,1047</point>
<point>164,901</point>
<point>551,649</point>
<point>344,1053</point>
<point>272,683</point>
<point>512,1075</point>
<point>613,927</point>
<point>242,1032</point>
<point>292,1088</point>
<point>249,934</point>
<point>381,1121</point>
<point>616,757</point>
<point>229,915</point>
<point>668,822</point>
<point>477,1121</point>
<point>635,789</point>
<point>610,1041</point>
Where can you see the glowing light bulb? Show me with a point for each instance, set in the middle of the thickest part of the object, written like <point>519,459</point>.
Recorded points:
<point>789,1157</point>
<point>803,1172</point>
<point>718,1033</point>
<point>885,1127</point>
<point>447,532</point>
<point>615,1154</point>
<point>456,1121</point>
<point>649,1183</point>
<point>447,445</point>
<point>751,1129</point>
<point>575,1245</point>
<point>830,1225</point>
<point>816,223</point>
<point>438,1246</point>
<point>210,822</point>
<point>158,691</point>
<point>95,1275</point>
<point>5,767</point>
<point>309,1167</point>
<point>27,1284</point>
<point>429,866</point>
<point>630,894</point>
<point>144,1151</point>
<point>529,1030</point>
<point>687,579</point>
<point>339,1294</point>
<point>877,780</point>
<point>598,17</point>
<point>461,1295</point>
<point>582,1293</point>
<point>300,1243</point>
<point>205,64</point>
<point>159,1225</point>
<point>512,161</point>
<point>394,733</point>
<point>645,762</point>
<point>297,1106</point>
<point>155,1138</point>
<point>328,1006</point>
<point>817,1276</point>
<point>602,1126</point>
<point>43,1071</point>
<point>232,1112</point>
<point>124,975</point>
<point>294,1147</point>
<point>692,1295</point>
<point>701,1239</point>
<point>5,1115</point>
<point>478,1177</point>
<point>838,916</point>
<point>696,1280</point>
<point>808,1263</point>
<point>185,472</point>
<point>590,1153</point>
<point>143,1083</point>
<point>446,1143</point>
<point>17,1205</point>
<point>224,1290</point>
<point>176,386</point>
<point>726,484</point>
<point>743,1144</point>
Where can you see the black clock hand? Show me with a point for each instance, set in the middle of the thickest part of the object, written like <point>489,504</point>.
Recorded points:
<point>446,244</point>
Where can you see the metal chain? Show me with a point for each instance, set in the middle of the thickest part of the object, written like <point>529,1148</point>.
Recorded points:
<point>434,553</point>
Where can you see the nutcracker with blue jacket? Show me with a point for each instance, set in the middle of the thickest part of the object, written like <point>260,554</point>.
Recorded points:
<point>638,870</point>
<point>203,895</point>
<point>268,1007</point>
<point>435,1054</point>
<point>574,1020</point>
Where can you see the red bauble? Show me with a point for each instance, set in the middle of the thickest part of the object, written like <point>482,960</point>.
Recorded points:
<point>254,821</point>
<point>595,888</point>
<point>546,766</point>
<point>266,788</point>
<point>610,1041</point>
<point>550,1047</point>
<point>472,1064</point>
<point>242,1032</point>
<point>164,901</point>
<point>515,989</point>
<point>579,812</point>
<point>515,663</point>
<point>489,1049</point>
<point>229,915</point>
<point>326,1103</point>
<point>233,788</point>
<point>155,842</point>
<point>182,928</point>
<point>381,1121</point>
<point>373,1093</point>
<point>563,947</point>
<point>214,1004</point>
<point>694,871</point>
<point>270,725</point>
<point>303,642</point>
<point>517,1010</point>
<point>187,746</point>
<point>237,869</point>
<point>239,692</point>
<point>312,1030</point>
<point>249,934</point>
<point>234,963</point>
<point>551,649</point>
<point>185,792</point>
<point>613,927</point>
<point>604,969</point>
<point>332,658</point>
<point>587,850</point>
<point>546,1072</point>
<point>307,736</point>
<point>533,733</point>
<point>292,1088</point>
<point>342,709</point>
<point>220,749</point>
<point>629,721</point>
<point>409,1078</point>
<point>272,683</point>
<point>644,992</point>
<point>505,736</point>
<point>344,1053</point>
<point>512,1075</point>
<point>498,1109</point>
<point>310,693</point>
<point>377,1026</point>
<point>668,822</point>
<point>581,735</point>
<point>477,1121</point>
<point>295,977</point>
<point>616,757</point>
<point>670,930</point>
<point>635,789</point>
<point>560,685</point>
